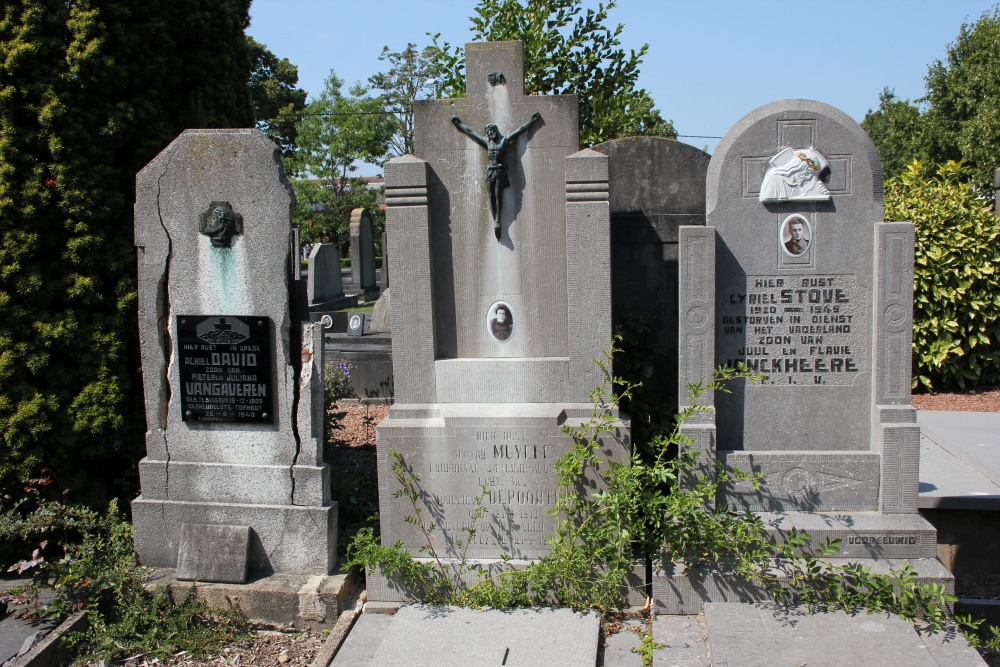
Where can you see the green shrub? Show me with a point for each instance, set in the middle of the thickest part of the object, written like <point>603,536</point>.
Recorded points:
<point>89,93</point>
<point>956,301</point>
<point>87,559</point>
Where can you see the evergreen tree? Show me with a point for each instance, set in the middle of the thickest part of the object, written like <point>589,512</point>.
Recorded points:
<point>277,101</point>
<point>90,91</point>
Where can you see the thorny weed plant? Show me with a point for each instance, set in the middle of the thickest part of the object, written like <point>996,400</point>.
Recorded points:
<point>660,504</point>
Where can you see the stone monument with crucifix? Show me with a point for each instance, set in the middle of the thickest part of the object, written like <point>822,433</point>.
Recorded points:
<point>501,262</point>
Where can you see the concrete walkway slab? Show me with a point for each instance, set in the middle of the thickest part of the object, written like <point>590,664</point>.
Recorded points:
<point>758,635</point>
<point>426,636</point>
<point>363,642</point>
<point>959,460</point>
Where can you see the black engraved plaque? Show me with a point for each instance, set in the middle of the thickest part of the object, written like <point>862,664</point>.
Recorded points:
<point>226,368</point>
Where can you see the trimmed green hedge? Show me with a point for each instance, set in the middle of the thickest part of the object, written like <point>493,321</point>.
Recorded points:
<point>90,91</point>
<point>956,308</point>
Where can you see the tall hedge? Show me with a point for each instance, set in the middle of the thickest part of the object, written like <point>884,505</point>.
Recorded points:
<point>91,90</point>
<point>956,308</point>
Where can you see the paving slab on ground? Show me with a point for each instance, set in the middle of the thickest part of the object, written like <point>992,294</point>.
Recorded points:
<point>682,639</point>
<point>959,460</point>
<point>14,632</point>
<point>758,635</point>
<point>421,635</point>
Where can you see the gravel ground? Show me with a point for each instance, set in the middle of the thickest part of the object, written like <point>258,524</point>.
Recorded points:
<point>974,400</point>
<point>266,648</point>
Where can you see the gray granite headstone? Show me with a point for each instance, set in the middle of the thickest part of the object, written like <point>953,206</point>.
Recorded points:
<point>213,553</point>
<point>383,277</point>
<point>480,397</point>
<point>656,186</point>
<point>362,250</point>
<point>797,275</point>
<point>213,234</point>
<point>828,322</point>
<point>324,282</point>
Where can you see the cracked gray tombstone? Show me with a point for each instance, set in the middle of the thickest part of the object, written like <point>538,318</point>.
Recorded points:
<point>233,396</point>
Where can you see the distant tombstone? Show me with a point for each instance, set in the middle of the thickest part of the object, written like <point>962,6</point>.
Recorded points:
<point>356,324</point>
<point>797,275</point>
<point>656,185</point>
<point>324,283</point>
<point>362,250</point>
<point>480,398</point>
<point>234,401</point>
<point>382,313</point>
<point>383,282</point>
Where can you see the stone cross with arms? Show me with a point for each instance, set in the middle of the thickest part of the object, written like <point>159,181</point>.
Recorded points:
<point>526,266</point>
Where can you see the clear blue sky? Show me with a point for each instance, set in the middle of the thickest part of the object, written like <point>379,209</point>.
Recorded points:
<point>709,62</point>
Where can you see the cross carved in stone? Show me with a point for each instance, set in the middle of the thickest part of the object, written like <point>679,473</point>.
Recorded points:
<point>495,97</point>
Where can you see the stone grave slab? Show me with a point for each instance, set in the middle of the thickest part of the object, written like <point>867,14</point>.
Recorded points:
<point>761,636</point>
<point>233,386</point>
<point>798,276</point>
<point>455,637</point>
<point>213,553</point>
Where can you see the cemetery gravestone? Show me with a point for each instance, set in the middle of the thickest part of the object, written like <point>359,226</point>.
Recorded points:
<point>493,339</point>
<point>383,277</point>
<point>324,285</point>
<point>798,276</point>
<point>656,185</point>
<point>362,251</point>
<point>234,400</point>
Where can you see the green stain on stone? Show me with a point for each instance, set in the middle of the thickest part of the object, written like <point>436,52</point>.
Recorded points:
<point>225,276</point>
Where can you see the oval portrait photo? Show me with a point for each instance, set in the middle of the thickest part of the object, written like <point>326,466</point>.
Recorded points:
<point>500,321</point>
<point>795,235</point>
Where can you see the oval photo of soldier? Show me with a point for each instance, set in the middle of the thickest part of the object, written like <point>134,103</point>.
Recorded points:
<point>795,235</point>
<point>500,321</point>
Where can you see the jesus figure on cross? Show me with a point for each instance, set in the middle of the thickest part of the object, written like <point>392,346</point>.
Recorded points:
<point>496,171</point>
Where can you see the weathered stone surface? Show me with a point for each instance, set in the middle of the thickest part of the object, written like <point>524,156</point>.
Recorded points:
<point>762,636</point>
<point>511,448</point>
<point>656,185</point>
<point>421,635</point>
<point>680,590</point>
<point>382,313</point>
<point>213,553</point>
<point>267,475</point>
<point>362,250</point>
<point>324,282</point>
<point>493,337</point>
<point>796,275</point>
<point>803,320</point>
<point>471,269</point>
